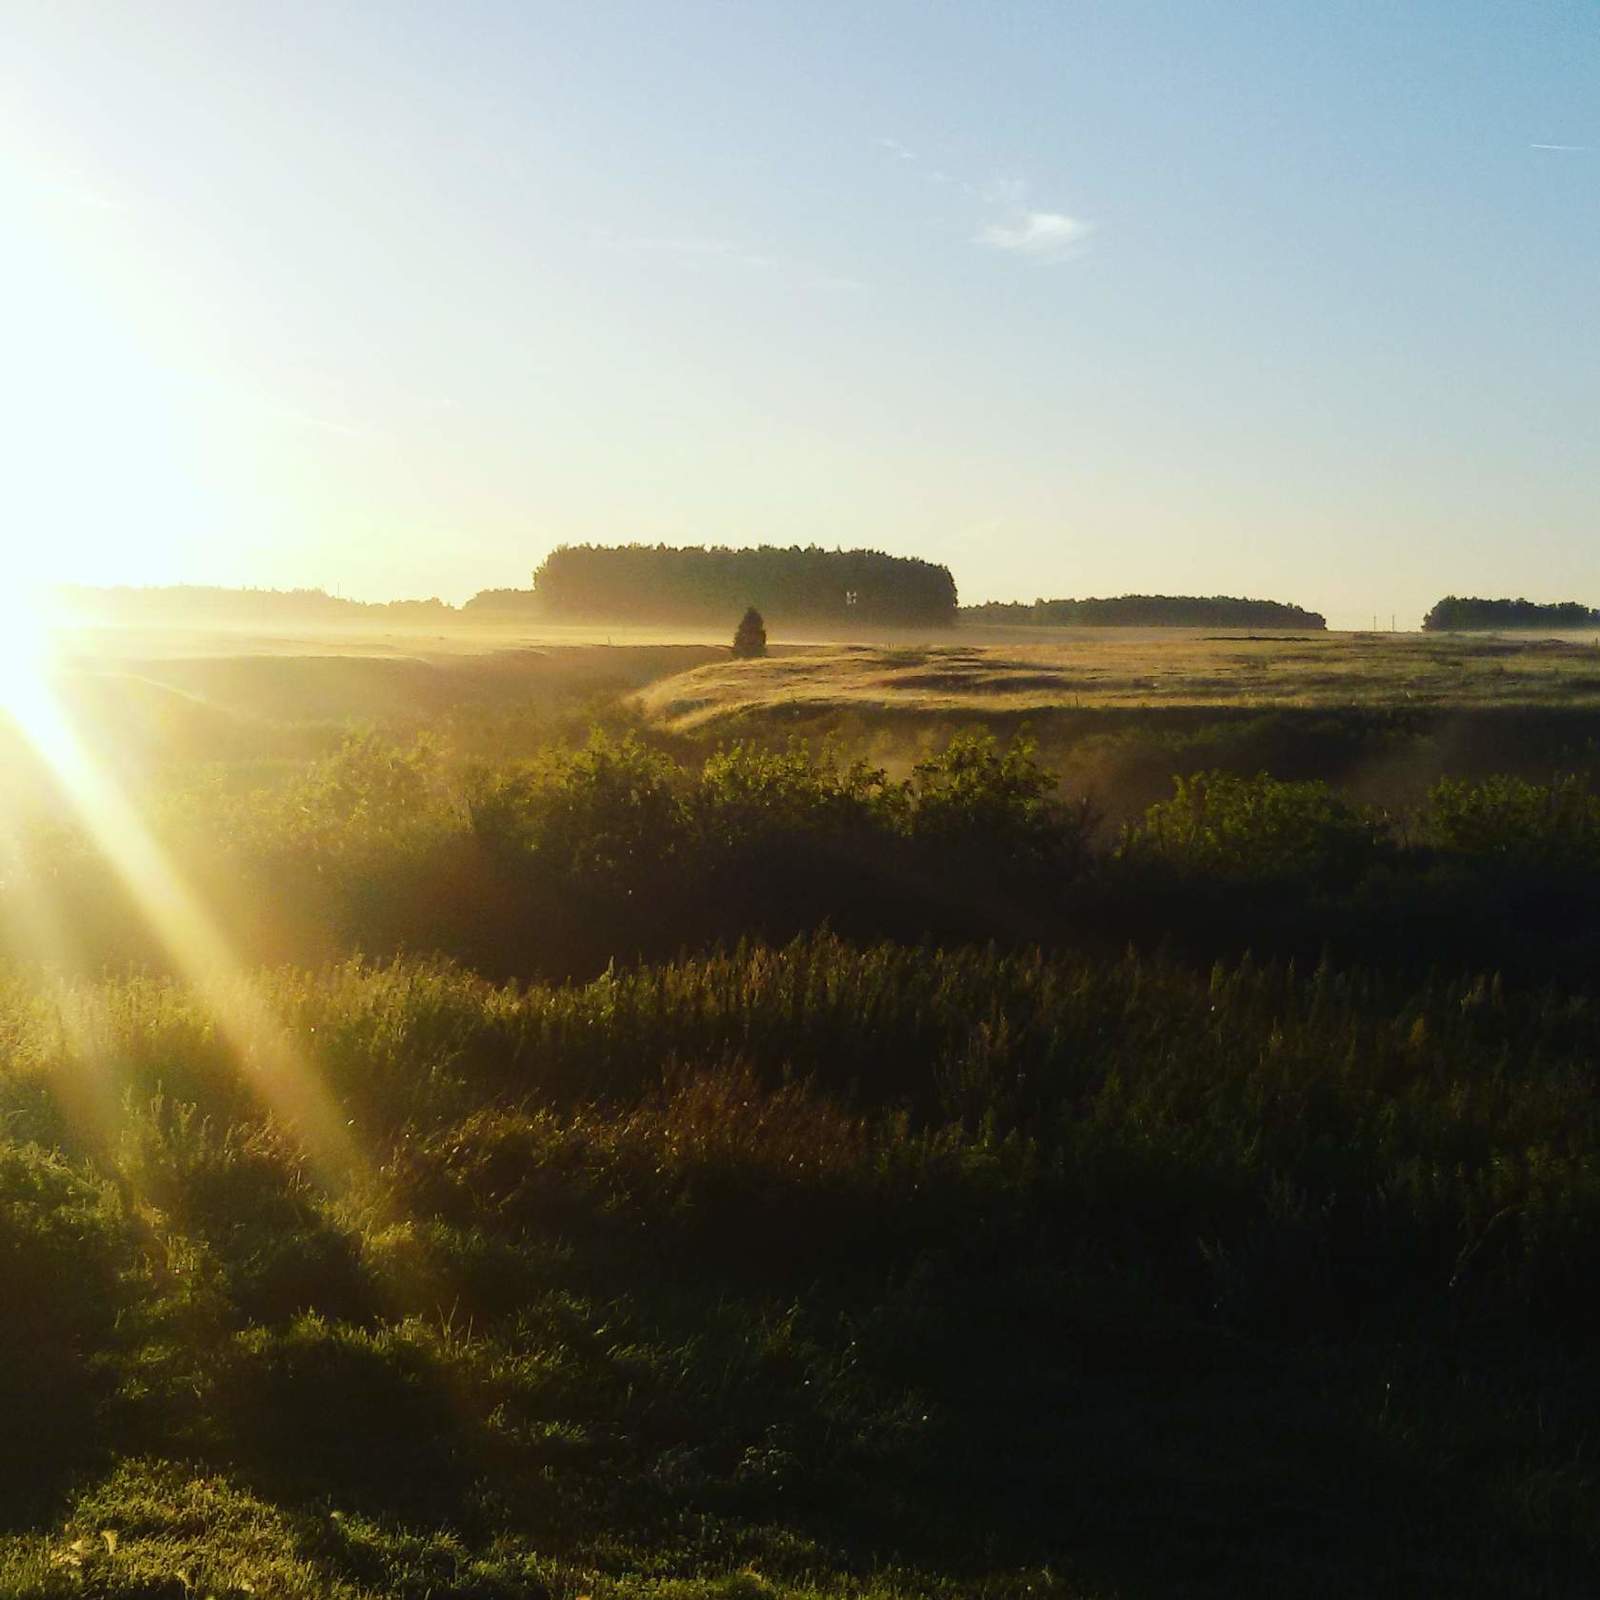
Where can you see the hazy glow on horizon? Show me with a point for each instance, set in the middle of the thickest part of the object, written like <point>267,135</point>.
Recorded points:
<point>393,298</point>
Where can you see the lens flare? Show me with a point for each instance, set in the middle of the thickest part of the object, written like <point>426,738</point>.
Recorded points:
<point>195,941</point>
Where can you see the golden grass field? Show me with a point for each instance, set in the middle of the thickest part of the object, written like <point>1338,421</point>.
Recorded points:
<point>1033,670</point>
<point>685,680</point>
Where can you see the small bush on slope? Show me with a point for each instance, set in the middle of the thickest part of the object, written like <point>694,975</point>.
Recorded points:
<point>64,1254</point>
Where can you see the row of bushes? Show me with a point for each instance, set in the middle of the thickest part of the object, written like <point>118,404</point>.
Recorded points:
<point>616,850</point>
<point>618,806</point>
<point>1260,829</point>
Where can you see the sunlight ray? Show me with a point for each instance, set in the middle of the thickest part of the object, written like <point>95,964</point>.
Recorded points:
<point>199,948</point>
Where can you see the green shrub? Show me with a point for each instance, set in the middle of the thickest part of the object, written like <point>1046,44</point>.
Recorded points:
<point>366,802</point>
<point>243,1191</point>
<point>65,1254</point>
<point>609,810</point>
<point>747,797</point>
<point>1257,830</point>
<point>327,1408</point>
<point>987,801</point>
<point>1509,824</point>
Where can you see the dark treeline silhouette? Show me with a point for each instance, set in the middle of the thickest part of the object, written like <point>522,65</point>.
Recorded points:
<point>1457,615</point>
<point>202,603</point>
<point>1150,611</point>
<point>490,603</point>
<point>662,583</point>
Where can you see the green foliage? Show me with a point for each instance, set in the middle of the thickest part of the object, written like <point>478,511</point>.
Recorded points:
<point>613,808</point>
<point>333,1409</point>
<point>700,1265</point>
<point>363,807</point>
<point>1507,824</point>
<point>64,1252</point>
<point>608,810</point>
<point>242,1193</point>
<point>748,796</point>
<point>977,795</point>
<point>619,848</point>
<point>1257,830</point>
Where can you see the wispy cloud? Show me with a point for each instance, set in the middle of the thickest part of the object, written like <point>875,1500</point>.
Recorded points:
<point>1022,227</point>
<point>1560,147</point>
<point>1041,235</point>
<point>1026,228</point>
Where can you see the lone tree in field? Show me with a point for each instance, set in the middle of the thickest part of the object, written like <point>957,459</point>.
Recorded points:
<point>750,637</point>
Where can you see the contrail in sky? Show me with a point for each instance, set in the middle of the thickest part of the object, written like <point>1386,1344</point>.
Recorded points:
<point>1559,147</point>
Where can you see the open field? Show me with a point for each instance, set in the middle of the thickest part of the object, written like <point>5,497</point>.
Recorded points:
<point>1024,673</point>
<point>1116,712</point>
<point>684,683</point>
<point>782,1145</point>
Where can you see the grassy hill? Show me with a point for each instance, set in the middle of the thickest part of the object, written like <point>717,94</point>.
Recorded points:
<point>1126,668</point>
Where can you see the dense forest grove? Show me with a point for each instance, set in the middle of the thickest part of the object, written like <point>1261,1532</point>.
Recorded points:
<point>649,583</point>
<point>1453,614</point>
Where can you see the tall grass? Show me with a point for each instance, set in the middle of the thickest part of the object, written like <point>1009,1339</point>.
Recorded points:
<point>828,1257</point>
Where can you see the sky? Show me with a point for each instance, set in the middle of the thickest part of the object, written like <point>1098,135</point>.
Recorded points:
<point>1079,298</point>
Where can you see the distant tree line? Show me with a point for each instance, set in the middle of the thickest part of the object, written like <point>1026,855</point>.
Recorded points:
<point>1150,611</point>
<point>673,584</point>
<point>201,603</point>
<point>493,602</point>
<point>1456,615</point>
<point>664,583</point>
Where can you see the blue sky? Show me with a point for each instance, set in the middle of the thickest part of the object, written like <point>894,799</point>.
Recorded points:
<point>1080,298</point>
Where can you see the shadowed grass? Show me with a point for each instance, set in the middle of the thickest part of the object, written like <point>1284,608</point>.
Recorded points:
<point>869,1270</point>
